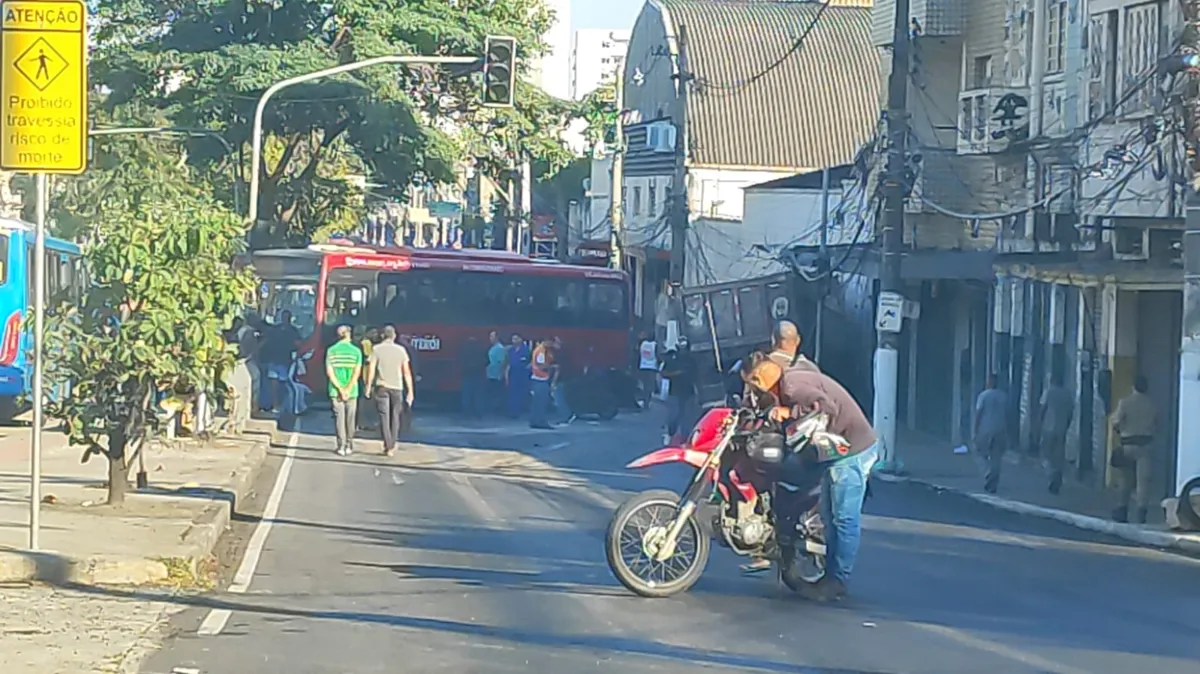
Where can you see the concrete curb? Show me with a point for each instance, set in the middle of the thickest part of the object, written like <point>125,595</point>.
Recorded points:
<point>21,566</point>
<point>1130,532</point>
<point>208,527</point>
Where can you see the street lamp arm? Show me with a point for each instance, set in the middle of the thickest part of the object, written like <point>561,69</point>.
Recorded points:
<point>256,137</point>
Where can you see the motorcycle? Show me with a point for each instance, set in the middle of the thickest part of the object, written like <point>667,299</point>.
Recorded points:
<point>667,554</point>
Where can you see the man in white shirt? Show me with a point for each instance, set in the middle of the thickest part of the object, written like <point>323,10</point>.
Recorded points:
<point>647,367</point>
<point>389,377</point>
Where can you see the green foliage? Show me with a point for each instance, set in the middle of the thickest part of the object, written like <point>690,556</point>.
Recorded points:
<point>159,252</point>
<point>204,63</point>
<point>599,110</point>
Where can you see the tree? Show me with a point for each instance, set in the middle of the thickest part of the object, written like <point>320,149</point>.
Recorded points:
<point>599,109</point>
<point>159,253</point>
<point>205,63</point>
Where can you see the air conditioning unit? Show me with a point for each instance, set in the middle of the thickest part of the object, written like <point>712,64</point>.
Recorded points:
<point>660,137</point>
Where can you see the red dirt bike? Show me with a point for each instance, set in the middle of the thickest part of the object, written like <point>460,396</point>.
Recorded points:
<point>657,545</point>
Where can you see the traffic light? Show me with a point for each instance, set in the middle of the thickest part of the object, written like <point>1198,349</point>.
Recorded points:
<point>499,71</point>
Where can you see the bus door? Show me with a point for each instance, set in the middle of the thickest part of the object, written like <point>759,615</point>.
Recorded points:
<point>348,294</point>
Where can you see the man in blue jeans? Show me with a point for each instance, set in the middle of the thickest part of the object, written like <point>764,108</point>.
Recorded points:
<point>844,486</point>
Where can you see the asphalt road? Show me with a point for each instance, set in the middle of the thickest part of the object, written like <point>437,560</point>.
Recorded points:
<point>479,549</point>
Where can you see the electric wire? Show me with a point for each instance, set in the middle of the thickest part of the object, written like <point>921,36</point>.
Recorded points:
<point>795,47</point>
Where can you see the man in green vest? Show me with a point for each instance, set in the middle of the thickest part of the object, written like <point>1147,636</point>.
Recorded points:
<point>343,368</point>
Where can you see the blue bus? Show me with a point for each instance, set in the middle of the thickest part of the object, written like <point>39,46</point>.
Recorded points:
<point>64,274</point>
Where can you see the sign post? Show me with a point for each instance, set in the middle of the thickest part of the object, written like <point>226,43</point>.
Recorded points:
<point>43,130</point>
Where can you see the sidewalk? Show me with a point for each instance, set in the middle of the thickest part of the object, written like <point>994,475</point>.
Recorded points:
<point>167,529</point>
<point>1023,490</point>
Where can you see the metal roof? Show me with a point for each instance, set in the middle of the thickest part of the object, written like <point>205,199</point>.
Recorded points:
<point>809,180</point>
<point>812,108</point>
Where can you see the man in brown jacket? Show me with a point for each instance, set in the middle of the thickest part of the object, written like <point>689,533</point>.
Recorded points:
<point>844,487</point>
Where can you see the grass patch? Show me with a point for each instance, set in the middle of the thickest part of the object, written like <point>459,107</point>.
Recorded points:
<point>183,575</point>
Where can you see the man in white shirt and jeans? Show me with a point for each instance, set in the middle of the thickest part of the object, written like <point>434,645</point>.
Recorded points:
<point>647,367</point>
<point>390,379</point>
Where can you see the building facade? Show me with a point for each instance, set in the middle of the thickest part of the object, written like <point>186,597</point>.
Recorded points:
<point>1056,156</point>
<point>709,98</point>
<point>596,56</point>
<point>552,71</point>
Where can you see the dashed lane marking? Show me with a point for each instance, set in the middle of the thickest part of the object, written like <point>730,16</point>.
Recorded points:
<point>217,618</point>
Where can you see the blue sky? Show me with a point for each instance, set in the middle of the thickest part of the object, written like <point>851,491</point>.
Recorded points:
<point>614,14</point>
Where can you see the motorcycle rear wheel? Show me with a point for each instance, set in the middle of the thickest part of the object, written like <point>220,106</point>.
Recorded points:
<point>801,570</point>
<point>617,541</point>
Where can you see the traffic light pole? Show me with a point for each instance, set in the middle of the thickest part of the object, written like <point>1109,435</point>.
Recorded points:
<point>256,136</point>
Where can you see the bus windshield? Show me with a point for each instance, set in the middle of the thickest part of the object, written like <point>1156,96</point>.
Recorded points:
<point>298,298</point>
<point>490,299</point>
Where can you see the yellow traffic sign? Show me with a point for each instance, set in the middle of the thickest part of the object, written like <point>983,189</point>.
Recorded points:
<point>43,86</point>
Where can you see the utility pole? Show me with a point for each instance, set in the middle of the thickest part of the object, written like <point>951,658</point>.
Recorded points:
<point>679,197</point>
<point>1187,452</point>
<point>824,263</point>
<point>616,214</point>
<point>510,212</point>
<point>889,321</point>
<point>525,230</point>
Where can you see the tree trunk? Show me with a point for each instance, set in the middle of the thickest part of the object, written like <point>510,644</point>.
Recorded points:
<point>118,474</point>
<point>118,482</point>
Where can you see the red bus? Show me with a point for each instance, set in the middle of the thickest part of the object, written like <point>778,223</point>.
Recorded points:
<point>438,299</point>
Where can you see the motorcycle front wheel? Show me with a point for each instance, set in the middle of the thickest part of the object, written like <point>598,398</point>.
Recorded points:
<point>637,529</point>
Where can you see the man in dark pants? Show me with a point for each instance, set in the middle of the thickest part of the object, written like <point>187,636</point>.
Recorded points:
<point>1055,411</point>
<point>990,431</point>
<point>679,369</point>
<point>389,376</point>
<point>1136,423</point>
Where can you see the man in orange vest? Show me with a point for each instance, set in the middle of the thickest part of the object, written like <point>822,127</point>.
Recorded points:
<point>541,368</point>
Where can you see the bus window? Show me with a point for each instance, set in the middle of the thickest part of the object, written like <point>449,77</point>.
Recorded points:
<point>3,259</point>
<point>477,299</point>
<point>345,304</point>
<point>66,276</point>
<point>567,302</point>
<point>298,298</point>
<point>53,275</point>
<point>419,296</point>
<point>607,307</point>
<point>81,279</point>
<point>518,301</point>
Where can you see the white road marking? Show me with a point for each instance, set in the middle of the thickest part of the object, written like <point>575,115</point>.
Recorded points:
<point>474,498</point>
<point>217,618</point>
<point>1028,659</point>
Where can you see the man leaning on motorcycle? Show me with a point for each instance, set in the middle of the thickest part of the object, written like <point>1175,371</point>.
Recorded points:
<point>802,391</point>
